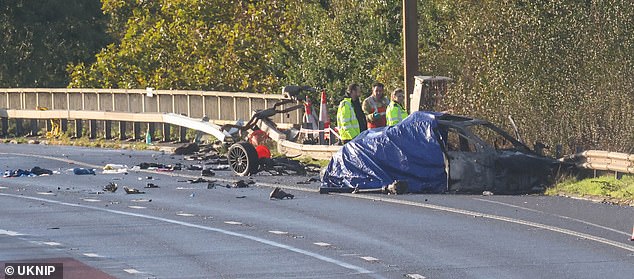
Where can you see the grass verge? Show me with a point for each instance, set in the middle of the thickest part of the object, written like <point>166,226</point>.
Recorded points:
<point>604,189</point>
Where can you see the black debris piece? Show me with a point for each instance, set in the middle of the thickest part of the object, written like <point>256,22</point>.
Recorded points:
<point>111,187</point>
<point>207,172</point>
<point>132,190</point>
<point>151,185</point>
<point>197,180</point>
<point>195,167</point>
<point>279,194</point>
<point>241,184</point>
<point>187,149</point>
<point>398,187</point>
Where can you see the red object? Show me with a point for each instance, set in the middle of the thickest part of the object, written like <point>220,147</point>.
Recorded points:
<point>258,137</point>
<point>263,151</point>
<point>378,122</point>
<point>323,111</point>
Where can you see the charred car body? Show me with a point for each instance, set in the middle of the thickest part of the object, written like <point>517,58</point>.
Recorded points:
<point>435,152</point>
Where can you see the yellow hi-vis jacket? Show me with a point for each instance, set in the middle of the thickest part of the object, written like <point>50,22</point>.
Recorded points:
<point>395,113</point>
<point>347,120</point>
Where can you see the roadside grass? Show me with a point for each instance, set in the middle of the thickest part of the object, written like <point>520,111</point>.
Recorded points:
<point>607,188</point>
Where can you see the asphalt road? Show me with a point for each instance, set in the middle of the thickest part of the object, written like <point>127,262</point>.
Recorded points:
<point>184,230</point>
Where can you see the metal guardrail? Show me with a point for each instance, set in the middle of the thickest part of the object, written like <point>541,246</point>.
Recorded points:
<point>223,106</point>
<point>603,161</point>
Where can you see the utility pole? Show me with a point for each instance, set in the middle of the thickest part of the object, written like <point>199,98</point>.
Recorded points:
<point>410,47</point>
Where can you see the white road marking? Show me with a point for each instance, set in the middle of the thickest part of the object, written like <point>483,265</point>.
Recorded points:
<point>136,207</point>
<point>185,214</point>
<point>51,243</point>
<point>2,187</point>
<point>352,267</point>
<point>10,233</point>
<point>233,223</point>
<point>415,276</point>
<point>322,244</point>
<point>132,271</point>
<point>496,217</point>
<point>278,232</point>
<point>46,193</point>
<point>556,215</point>
<point>370,259</point>
<point>92,255</point>
<point>91,200</point>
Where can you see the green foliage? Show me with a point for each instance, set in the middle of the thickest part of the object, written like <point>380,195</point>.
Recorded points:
<point>40,37</point>
<point>606,186</point>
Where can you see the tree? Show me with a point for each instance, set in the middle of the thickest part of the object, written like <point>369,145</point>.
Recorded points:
<point>40,38</point>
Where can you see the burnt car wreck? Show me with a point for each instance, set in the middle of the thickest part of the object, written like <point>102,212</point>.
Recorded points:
<point>437,153</point>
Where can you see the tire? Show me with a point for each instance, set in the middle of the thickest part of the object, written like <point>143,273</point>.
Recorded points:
<point>243,159</point>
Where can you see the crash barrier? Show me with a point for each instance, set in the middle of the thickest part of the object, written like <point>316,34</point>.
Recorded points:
<point>326,136</point>
<point>604,161</point>
<point>218,107</point>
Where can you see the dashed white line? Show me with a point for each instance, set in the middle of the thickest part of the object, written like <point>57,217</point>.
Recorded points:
<point>92,255</point>
<point>185,214</point>
<point>91,200</point>
<point>278,232</point>
<point>132,271</point>
<point>46,193</point>
<point>136,207</point>
<point>370,259</point>
<point>322,244</point>
<point>416,276</point>
<point>51,243</point>
<point>2,187</point>
<point>10,233</point>
<point>233,223</point>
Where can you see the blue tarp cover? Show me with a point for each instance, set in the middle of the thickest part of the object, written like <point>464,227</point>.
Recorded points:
<point>407,151</point>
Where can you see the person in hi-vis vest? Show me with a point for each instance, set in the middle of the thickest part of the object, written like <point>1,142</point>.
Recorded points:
<point>350,119</point>
<point>395,111</point>
<point>374,107</point>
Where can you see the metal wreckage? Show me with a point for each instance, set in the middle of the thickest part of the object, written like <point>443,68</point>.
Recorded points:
<point>427,152</point>
<point>435,153</point>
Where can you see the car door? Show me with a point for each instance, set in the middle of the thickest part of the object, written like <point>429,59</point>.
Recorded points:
<point>470,165</point>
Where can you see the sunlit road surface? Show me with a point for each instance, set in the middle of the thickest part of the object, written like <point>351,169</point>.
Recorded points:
<point>185,230</point>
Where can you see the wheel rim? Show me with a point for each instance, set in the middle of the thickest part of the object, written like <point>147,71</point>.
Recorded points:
<point>238,160</point>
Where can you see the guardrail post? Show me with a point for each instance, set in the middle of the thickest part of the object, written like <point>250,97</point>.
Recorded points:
<point>5,127</point>
<point>64,125</point>
<point>166,132</point>
<point>136,127</point>
<point>182,134</point>
<point>78,128</point>
<point>92,125</point>
<point>33,128</point>
<point>151,129</point>
<point>122,128</point>
<point>19,131</point>
<point>108,129</point>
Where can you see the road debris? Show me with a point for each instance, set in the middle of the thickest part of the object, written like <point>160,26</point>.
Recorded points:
<point>398,187</point>
<point>111,187</point>
<point>129,190</point>
<point>151,185</point>
<point>278,193</point>
<point>83,171</point>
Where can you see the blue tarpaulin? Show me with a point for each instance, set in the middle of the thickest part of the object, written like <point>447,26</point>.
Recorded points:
<point>407,151</point>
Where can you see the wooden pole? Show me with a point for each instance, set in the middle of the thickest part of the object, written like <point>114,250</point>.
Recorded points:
<point>410,47</point>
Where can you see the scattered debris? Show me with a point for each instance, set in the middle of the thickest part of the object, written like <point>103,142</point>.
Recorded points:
<point>195,167</point>
<point>111,187</point>
<point>207,172</point>
<point>35,171</point>
<point>83,171</point>
<point>310,180</point>
<point>132,190</point>
<point>278,193</point>
<point>398,187</point>
<point>487,193</point>
<point>151,185</point>
<point>242,184</point>
<point>197,180</point>
<point>241,197</point>
<point>115,169</point>
<point>187,149</point>
<point>160,167</point>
